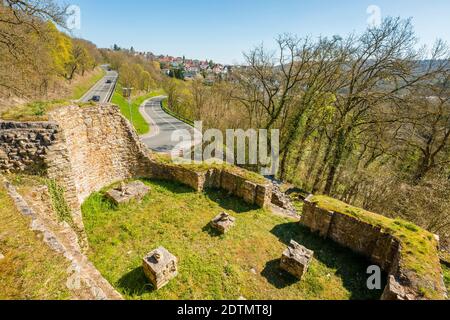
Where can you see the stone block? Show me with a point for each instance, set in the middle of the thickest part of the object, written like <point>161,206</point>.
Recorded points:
<point>223,222</point>
<point>128,192</point>
<point>247,192</point>
<point>263,195</point>
<point>160,266</point>
<point>296,259</point>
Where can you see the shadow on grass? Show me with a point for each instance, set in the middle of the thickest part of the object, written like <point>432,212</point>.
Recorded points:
<point>135,283</point>
<point>351,267</point>
<point>174,187</point>
<point>211,231</point>
<point>276,276</point>
<point>228,201</point>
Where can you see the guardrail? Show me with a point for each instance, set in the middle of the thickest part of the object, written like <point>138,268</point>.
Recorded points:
<point>110,94</point>
<point>173,114</point>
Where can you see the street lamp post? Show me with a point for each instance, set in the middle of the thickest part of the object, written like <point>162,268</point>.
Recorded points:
<point>126,93</point>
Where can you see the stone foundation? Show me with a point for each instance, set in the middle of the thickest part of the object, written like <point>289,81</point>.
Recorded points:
<point>160,266</point>
<point>215,178</point>
<point>382,249</point>
<point>223,222</point>
<point>296,259</point>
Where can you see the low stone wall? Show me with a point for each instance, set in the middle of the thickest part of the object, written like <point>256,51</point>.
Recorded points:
<point>215,178</point>
<point>24,146</point>
<point>382,248</point>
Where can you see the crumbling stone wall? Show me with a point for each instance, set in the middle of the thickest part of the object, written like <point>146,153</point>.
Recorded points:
<point>382,248</point>
<point>99,146</point>
<point>216,178</point>
<point>24,145</point>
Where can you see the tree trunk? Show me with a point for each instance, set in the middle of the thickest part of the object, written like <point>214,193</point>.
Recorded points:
<point>336,161</point>
<point>322,167</point>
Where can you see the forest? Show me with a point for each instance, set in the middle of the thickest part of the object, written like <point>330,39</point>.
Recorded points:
<point>365,118</point>
<point>40,57</point>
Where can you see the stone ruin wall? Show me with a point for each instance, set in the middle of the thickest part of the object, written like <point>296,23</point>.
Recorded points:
<point>101,149</point>
<point>379,247</point>
<point>215,178</point>
<point>87,148</point>
<point>24,145</point>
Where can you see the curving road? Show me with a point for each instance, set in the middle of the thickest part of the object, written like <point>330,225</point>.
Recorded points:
<point>102,88</point>
<point>162,126</point>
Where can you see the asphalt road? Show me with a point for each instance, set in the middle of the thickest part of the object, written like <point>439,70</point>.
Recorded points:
<point>102,88</point>
<point>162,126</point>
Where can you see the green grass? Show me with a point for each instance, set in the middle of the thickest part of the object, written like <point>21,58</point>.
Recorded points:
<point>59,203</point>
<point>446,271</point>
<point>244,262</point>
<point>30,270</point>
<point>33,111</point>
<point>80,89</point>
<point>139,123</point>
<point>418,245</point>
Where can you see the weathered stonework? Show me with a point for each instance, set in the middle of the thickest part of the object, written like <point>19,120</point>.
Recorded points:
<point>24,146</point>
<point>216,178</point>
<point>378,245</point>
<point>296,259</point>
<point>160,266</point>
<point>223,222</point>
<point>125,193</point>
<point>102,148</point>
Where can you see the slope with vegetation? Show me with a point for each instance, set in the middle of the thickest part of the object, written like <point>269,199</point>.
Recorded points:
<point>30,269</point>
<point>364,119</point>
<point>40,62</point>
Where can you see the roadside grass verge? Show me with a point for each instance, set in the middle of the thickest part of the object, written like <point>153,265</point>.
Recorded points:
<point>244,262</point>
<point>165,106</point>
<point>135,117</point>
<point>30,269</point>
<point>81,88</point>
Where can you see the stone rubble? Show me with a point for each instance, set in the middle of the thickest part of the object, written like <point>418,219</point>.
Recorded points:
<point>296,259</point>
<point>223,222</point>
<point>282,201</point>
<point>160,266</point>
<point>127,192</point>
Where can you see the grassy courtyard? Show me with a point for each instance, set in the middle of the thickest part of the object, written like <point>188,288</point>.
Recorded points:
<point>243,263</point>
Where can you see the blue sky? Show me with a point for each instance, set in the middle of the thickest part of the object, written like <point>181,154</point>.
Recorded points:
<point>222,29</point>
